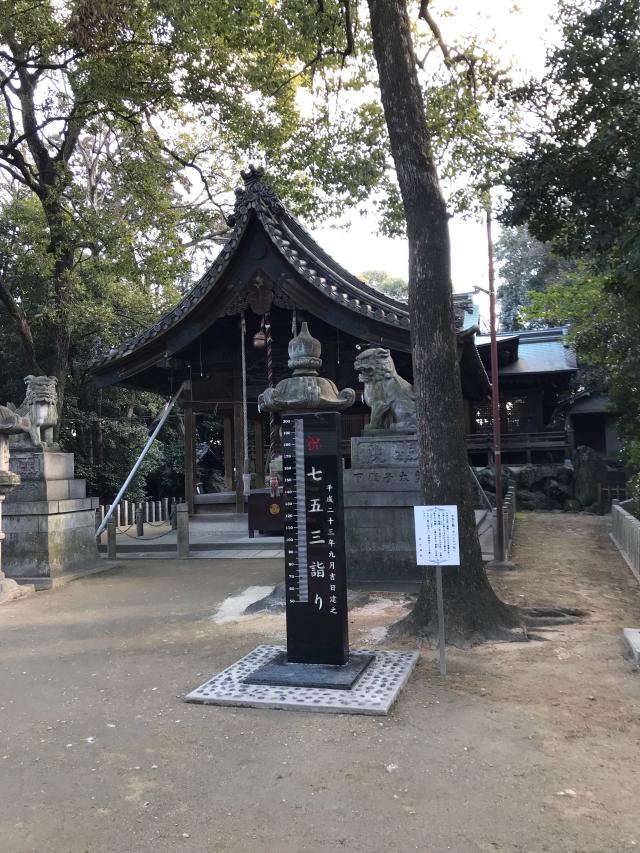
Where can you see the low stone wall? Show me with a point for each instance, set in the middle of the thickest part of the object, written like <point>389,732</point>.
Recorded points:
<point>571,486</point>
<point>625,533</point>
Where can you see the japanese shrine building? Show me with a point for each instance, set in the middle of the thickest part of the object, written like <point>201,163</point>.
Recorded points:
<point>536,373</point>
<point>269,276</point>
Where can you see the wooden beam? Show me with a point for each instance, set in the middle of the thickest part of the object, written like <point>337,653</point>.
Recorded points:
<point>227,424</point>
<point>189,458</point>
<point>238,453</point>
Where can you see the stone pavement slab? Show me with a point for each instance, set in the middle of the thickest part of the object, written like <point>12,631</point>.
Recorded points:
<point>374,692</point>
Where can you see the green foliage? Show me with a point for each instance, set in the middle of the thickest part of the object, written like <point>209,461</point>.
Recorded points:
<point>526,265</point>
<point>578,181</point>
<point>472,122</point>
<point>605,332</point>
<point>394,286</point>
<point>107,433</point>
<point>123,127</point>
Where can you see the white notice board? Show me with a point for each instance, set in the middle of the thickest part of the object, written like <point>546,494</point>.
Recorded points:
<point>437,542</point>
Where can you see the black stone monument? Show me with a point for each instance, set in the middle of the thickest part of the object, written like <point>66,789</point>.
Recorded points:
<point>315,566</point>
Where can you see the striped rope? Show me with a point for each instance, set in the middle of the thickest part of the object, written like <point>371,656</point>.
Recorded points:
<point>272,417</point>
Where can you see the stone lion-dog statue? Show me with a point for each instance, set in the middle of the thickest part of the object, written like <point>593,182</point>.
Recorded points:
<point>38,412</point>
<point>388,395</point>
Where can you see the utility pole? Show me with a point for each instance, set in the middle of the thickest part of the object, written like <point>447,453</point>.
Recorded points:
<point>495,397</point>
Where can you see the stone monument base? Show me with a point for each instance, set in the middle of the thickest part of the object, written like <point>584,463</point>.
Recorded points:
<point>279,672</point>
<point>49,522</point>
<point>374,692</point>
<point>380,490</point>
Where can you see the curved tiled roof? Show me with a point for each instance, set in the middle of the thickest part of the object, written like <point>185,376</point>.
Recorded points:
<point>296,245</point>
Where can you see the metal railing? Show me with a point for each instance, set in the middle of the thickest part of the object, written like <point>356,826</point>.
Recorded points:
<point>625,533</point>
<point>509,506</point>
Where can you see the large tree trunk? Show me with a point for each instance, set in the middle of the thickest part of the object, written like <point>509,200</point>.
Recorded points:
<point>473,611</point>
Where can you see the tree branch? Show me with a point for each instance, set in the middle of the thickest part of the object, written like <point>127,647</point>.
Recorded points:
<point>27,102</point>
<point>436,32</point>
<point>450,59</point>
<point>15,311</point>
<point>348,29</point>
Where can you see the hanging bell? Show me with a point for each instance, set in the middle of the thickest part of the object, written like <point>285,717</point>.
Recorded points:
<point>259,340</point>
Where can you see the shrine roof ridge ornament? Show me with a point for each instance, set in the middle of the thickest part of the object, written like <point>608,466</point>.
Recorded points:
<point>295,244</point>
<point>254,194</point>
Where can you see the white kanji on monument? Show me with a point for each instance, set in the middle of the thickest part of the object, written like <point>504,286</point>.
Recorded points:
<point>437,541</point>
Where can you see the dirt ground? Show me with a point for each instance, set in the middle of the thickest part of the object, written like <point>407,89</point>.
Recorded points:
<point>524,748</point>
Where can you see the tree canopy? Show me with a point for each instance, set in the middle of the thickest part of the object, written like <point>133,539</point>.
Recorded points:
<point>577,182</point>
<point>394,286</point>
<point>575,186</point>
<point>526,266</point>
<point>122,127</point>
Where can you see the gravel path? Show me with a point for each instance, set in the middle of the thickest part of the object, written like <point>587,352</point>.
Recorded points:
<point>525,748</point>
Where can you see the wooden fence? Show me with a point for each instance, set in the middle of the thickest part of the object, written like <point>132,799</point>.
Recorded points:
<point>608,493</point>
<point>625,533</point>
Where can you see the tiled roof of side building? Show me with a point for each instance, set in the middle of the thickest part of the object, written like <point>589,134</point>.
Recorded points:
<point>539,351</point>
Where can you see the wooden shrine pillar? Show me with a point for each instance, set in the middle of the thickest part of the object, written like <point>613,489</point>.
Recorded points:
<point>259,448</point>
<point>227,423</point>
<point>238,455</point>
<point>189,458</point>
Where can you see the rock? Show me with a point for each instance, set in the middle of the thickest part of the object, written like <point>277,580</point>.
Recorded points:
<point>532,500</point>
<point>590,471</point>
<point>11,591</point>
<point>564,473</point>
<point>487,478</point>
<point>559,491</point>
<point>530,476</point>
<point>571,505</point>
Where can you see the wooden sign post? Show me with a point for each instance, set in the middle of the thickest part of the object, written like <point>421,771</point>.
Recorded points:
<point>438,544</point>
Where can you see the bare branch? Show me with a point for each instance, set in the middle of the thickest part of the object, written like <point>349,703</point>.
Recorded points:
<point>450,60</point>
<point>436,32</point>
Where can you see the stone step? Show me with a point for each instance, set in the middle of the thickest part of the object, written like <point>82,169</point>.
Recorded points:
<point>632,637</point>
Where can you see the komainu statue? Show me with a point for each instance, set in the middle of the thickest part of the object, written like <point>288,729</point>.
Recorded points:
<point>388,395</point>
<point>38,413</point>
